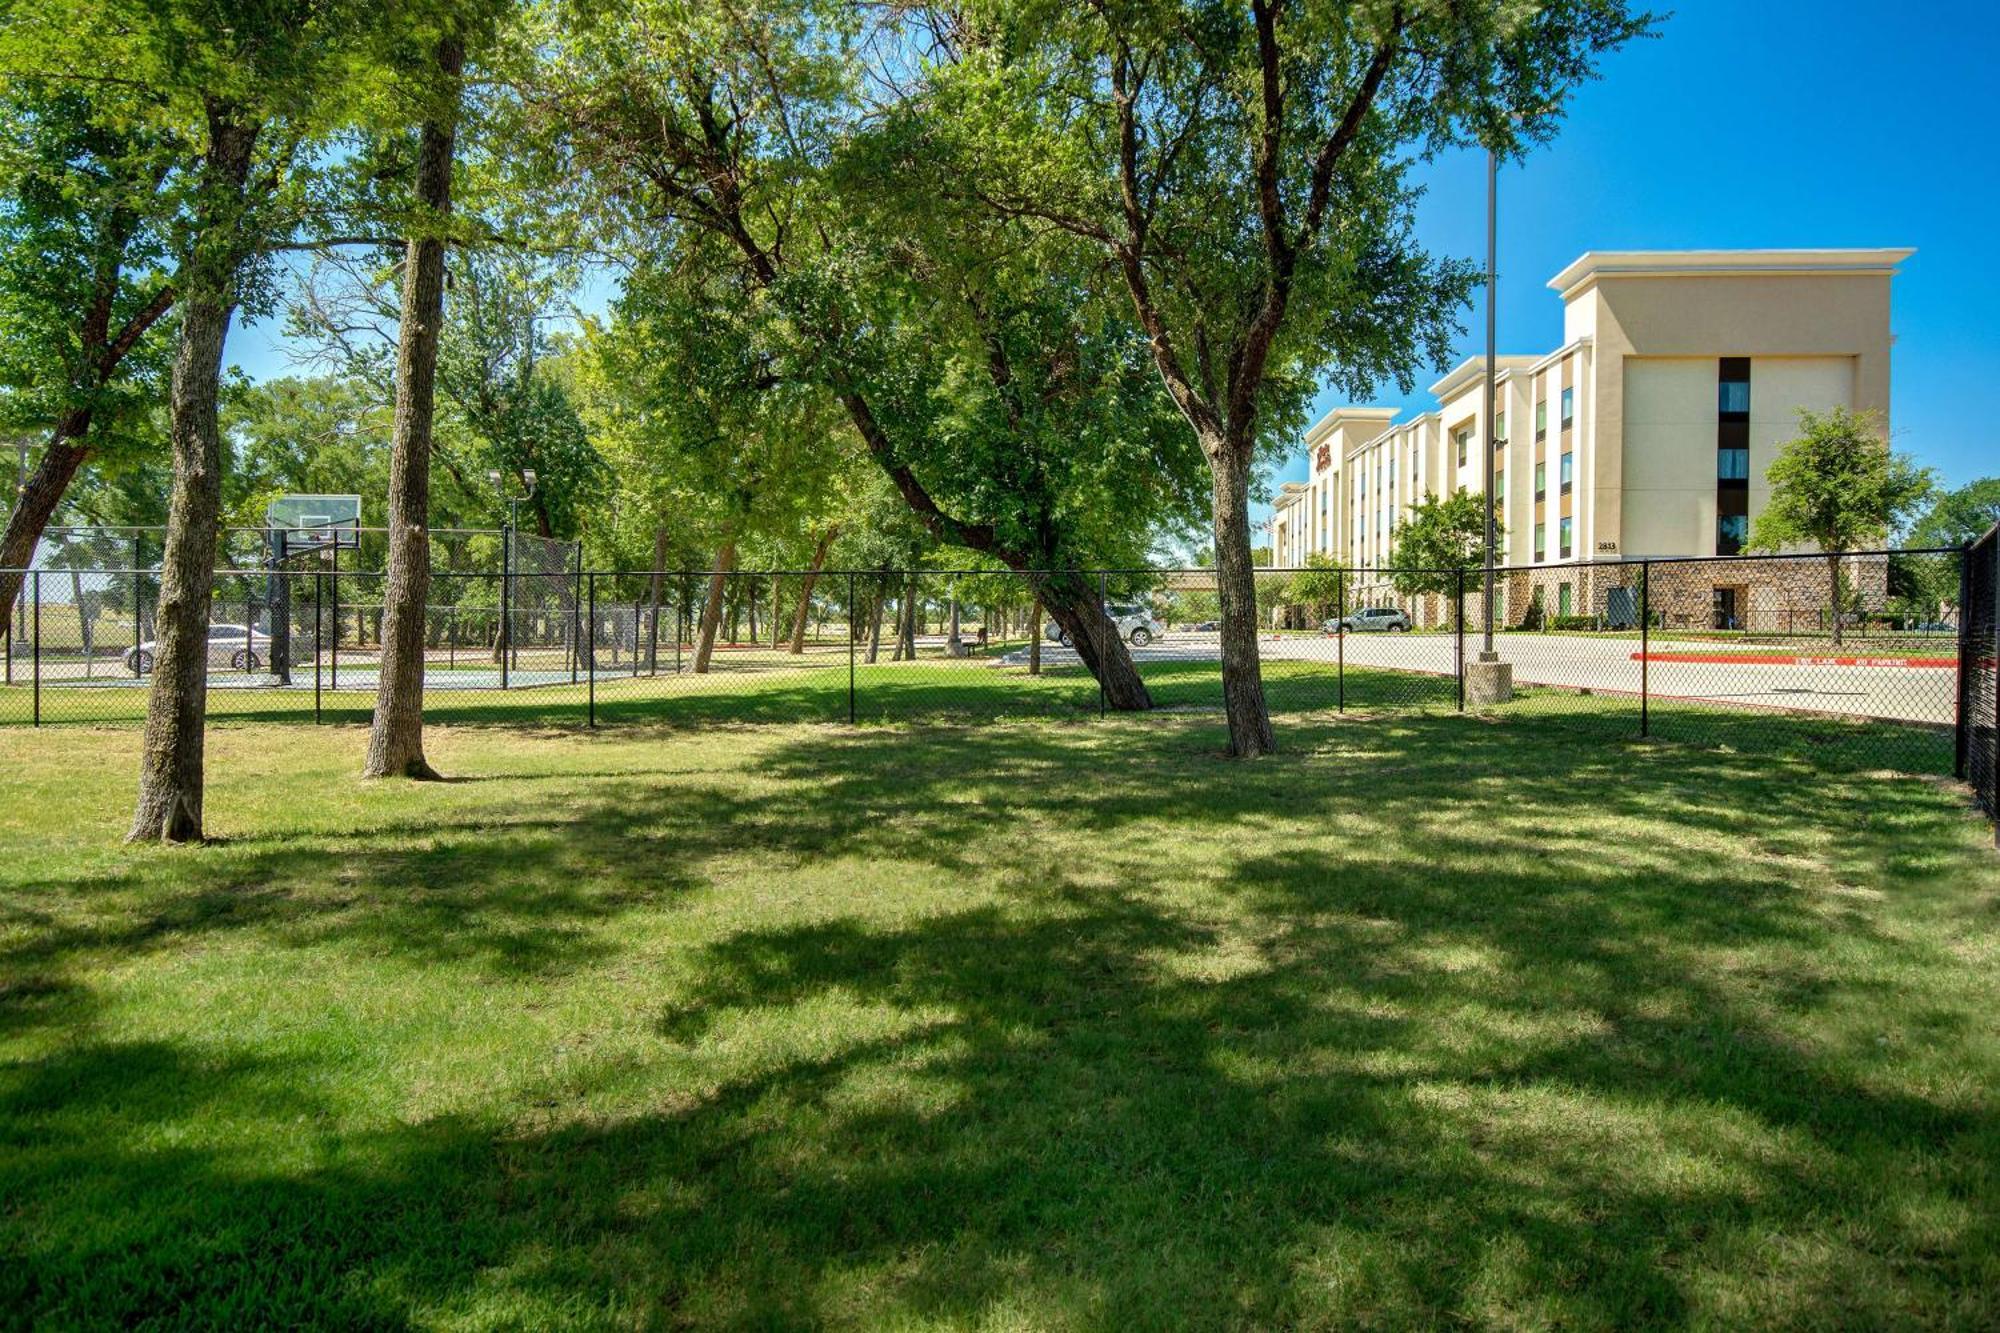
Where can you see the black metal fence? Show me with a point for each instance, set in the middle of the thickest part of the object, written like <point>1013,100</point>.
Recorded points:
<point>1978,756</point>
<point>1867,659</point>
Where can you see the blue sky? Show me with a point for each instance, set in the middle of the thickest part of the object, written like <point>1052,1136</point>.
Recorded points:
<point>1764,123</point>
<point>1748,123</point>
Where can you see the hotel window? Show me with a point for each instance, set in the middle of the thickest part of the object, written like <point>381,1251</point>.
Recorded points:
<point>1567,460</point>
<point>1562,537</point>
<point>1499,429</point>
<point>1569,408</point>
<point>1733,387</point>
<point>1499,487</point>
<point>1541,481</point>
<point>1462,437</point>
<point>1542,419</point>
<point>1732,455</point>
<point>1541,541</point>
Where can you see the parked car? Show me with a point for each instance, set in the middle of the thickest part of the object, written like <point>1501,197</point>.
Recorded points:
<point>1934,627</point>
<point>238,646</point>
<point>1385,618</point>
<point>1136,624</point>
<point>1207,627</point>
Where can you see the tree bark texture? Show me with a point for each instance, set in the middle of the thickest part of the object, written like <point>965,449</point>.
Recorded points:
<point>806,593</point>
<point>1236,588</point>
<point>169,806</point>
<point>1035,639</point>
<point>396,740</point>
<point>1072,601</point>
<point>711,611</point>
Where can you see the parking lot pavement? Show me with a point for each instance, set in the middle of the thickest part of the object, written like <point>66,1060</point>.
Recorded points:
<point>1875,686</point>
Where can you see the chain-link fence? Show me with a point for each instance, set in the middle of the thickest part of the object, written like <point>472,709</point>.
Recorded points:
<point>1978,757</point>
<point>1866,659</point>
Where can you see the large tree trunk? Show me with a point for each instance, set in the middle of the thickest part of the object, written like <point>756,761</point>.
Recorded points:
<point>806,593</point>
<point>711,611</point>
<point>396,741</point>
<point>36,504</point>
<point>659,587</point>
<point>1236,588</point>
<point>1072,601</point>
<point>170,758</point>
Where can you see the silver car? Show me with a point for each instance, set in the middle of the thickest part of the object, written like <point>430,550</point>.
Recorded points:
<point>1383,618</point>
<point>238,646</point>
<point>1137,625</point>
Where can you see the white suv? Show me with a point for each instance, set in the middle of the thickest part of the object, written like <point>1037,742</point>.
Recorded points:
<point>238,646</point>
<point>1137,625</point>
<point>1386,618</point>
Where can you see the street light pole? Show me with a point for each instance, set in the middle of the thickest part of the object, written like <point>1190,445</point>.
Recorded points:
<point>1492,437</point>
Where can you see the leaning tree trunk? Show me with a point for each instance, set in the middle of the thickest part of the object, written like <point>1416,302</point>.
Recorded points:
<point>1072,601</point>
<point>170,757</point>
<point>36,504</point>
<point>711,611</point>
<point>806,592</point>
<point>396,741</point>
<point>1236,587</point>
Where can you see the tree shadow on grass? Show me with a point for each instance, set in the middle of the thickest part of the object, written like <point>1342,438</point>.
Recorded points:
<point>1348,1036</point>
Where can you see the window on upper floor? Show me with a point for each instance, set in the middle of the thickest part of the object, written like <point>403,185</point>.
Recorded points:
<point>1732,464</point>
<point>1562,536</point>
<point>1732,399</point>
<point>1499,429</point>
<point>1731,531</point>
<point>1568,408</point>
<point>1541,541</point>
<point>1541,481</point>
<point>1542,419</point>
<point>1567,477</point>
<point>1461,440</point>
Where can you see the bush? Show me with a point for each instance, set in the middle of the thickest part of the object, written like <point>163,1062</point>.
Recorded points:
<point>1573,622</point>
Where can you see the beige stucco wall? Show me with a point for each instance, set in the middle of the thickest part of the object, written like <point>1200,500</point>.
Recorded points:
<point>1842,317</point>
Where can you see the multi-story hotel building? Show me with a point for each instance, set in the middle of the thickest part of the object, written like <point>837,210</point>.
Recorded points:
<point>1646,434</point>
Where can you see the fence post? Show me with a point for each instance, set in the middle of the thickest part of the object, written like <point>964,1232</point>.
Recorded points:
<point>1459,619</point>
<point>1961,731</point>
<point>852,623</point>
<point>1098,624</point>
<point>333,618</point>
<point>591,674</point>
<point>506,643</point>
<point>319,636</point>
<point>138,620</point>
<point>575,607</point>
<point>1645,646</point>
<point>1340,643</point>
<point>37,576</point>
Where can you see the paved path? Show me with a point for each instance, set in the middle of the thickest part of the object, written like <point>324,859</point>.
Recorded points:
<point>1574,661</point>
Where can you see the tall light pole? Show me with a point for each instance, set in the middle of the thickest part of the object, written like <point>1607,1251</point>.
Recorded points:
<point>1492,437</point>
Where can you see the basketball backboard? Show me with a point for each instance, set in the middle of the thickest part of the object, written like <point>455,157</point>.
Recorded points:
<point>314,522</point>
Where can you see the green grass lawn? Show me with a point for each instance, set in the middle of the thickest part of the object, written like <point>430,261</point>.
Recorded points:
<point>1426,1020</point>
